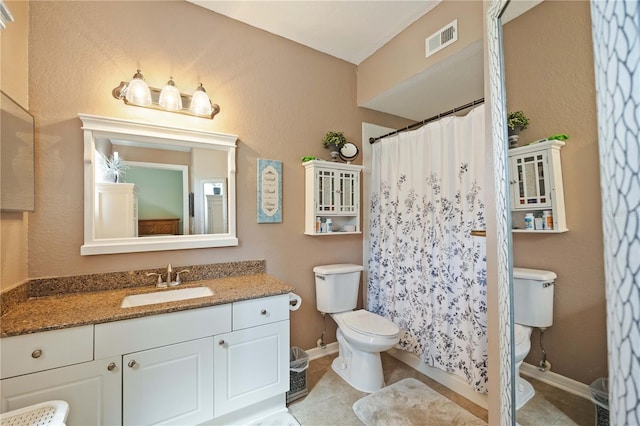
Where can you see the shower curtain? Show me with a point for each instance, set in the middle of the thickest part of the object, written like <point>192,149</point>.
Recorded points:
<point>426,272</point>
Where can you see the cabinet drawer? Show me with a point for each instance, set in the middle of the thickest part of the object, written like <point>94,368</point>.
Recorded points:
<point>123,337</point>
<point>250,313</point>
<point>42,351</point>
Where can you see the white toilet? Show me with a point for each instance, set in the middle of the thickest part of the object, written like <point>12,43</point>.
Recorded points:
<point>532,307</point>
<point>361,335</point>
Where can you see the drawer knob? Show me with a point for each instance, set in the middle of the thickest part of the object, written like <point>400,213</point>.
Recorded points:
<point>111,366</point>
<point>132,363</point>
<point>36,354</point>
<point>263,312</point>
<point>221,342</point>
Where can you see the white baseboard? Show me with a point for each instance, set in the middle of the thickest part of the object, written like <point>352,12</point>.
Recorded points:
<point>449,380</point>
<point>556,380</point>
<point>319,352</point>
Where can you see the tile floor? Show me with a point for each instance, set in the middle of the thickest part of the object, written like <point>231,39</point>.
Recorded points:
<point>330,399</point>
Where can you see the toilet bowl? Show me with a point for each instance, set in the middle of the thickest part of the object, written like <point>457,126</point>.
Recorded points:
<point>361,334</point>
<point>522,345</point>
<point>361,337</point>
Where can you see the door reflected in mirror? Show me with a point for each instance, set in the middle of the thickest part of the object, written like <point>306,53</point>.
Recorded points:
<point>153,187</point>
<point>215,207</point>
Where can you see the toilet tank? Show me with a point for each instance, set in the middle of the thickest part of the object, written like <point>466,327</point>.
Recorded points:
<point>337,287</point>
<point>533,297</point>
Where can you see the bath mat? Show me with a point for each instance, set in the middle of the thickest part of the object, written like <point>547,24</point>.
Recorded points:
<point>411,402</point>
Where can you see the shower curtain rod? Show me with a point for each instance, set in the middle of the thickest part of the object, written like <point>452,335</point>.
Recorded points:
<point>428,120</point>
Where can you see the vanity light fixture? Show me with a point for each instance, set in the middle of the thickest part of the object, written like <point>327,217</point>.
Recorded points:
<point>136,92</point>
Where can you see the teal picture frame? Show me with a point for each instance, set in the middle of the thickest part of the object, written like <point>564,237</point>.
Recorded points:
<point>269,175</point>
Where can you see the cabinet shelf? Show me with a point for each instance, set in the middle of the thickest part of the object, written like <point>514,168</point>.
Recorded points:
<point>540,231</point>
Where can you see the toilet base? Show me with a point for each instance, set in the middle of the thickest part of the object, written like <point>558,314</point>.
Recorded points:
<point>524,392</point>
<point>361,370</point>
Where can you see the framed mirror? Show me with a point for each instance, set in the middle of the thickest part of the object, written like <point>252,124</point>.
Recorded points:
<point>496,101</point>
<point>150,187</point>
<point>17,189</point>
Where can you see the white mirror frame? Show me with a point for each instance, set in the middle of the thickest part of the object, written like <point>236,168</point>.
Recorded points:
<point>96,127</point>
<point>497,99</point>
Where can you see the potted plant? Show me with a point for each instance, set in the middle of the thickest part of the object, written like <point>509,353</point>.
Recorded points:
<point>517,121</point>
<point>115,166</point>
<point>334,140</point>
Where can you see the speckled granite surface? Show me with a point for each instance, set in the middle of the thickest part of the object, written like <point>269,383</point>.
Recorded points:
<point>86,301</point>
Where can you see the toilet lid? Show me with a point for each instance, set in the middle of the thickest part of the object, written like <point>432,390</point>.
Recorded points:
<point>366,322</point>
<point>520,334</point>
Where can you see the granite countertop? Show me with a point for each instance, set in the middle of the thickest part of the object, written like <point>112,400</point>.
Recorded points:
<point>53,312</point>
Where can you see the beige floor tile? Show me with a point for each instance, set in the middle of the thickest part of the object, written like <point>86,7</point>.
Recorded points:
<point>330,398</point>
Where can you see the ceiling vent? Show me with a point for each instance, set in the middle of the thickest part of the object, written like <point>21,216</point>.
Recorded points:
<point>442,38</point>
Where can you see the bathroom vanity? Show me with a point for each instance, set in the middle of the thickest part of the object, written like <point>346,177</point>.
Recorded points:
<point>213,360</point>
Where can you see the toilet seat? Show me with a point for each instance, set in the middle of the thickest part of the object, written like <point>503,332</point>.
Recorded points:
<point>368,323</point>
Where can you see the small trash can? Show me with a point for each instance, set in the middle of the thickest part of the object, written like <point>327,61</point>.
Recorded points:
<point>298,364</point>
<point>600,397</point>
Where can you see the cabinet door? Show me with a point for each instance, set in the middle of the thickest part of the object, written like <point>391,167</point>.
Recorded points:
<point>326,191</point>
<point>169,385</point>
<point>92,390</point>
<point>251,366</point>
<point>348,189</point>
<point>529,181</point>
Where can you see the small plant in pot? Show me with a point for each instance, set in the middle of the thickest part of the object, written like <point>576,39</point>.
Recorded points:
<point>516,121</point>
<point>333,141</point>
<point>115,167</point>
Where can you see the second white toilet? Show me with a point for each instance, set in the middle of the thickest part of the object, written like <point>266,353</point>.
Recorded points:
<point>361,334</point>
<point>532,307</point>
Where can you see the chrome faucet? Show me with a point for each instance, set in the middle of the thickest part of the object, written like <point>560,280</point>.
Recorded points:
<point>169,271</point>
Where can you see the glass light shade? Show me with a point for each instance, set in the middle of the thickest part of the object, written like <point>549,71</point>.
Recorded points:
<point>138,92</point>
<point>200,103</point>
<point>170,98</point>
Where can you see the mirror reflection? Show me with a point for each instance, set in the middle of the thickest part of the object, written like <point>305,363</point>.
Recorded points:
<point>153,187</point>
<point>159,184</point>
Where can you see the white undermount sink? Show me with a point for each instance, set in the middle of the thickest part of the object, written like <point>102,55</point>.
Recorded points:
<point>165,296</point>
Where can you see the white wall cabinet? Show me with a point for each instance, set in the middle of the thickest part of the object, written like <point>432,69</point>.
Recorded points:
<point>116,210</point>
<point>93,391</point>
<point>167,368</point>
<point>535,173</point>
<point>332,191</point>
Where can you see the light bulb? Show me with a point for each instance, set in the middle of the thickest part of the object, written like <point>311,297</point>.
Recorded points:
<point>138,92</point>
<point>170,98</point>
<point>200,103</point>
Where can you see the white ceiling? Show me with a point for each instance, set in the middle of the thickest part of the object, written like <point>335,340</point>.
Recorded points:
<point>349,30</point>
<point>355,29</point>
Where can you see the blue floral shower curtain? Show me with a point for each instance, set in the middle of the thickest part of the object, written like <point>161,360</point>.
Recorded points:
<point>426,272</point>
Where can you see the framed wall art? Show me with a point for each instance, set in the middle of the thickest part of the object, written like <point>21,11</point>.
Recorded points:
<point>269,191</point>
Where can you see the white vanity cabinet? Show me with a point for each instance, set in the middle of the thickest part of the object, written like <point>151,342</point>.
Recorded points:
<point>116,210</point>
<point>211,365</point>
<point>535,180</point>
<point>332,191</point>
<point>59,365</point>
<point>252,361</point>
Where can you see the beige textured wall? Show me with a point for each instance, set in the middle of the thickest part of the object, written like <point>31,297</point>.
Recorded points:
<point>404,56</point>
<point>14,81</point>
<point>278,96</point>
<point>549,69</point>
